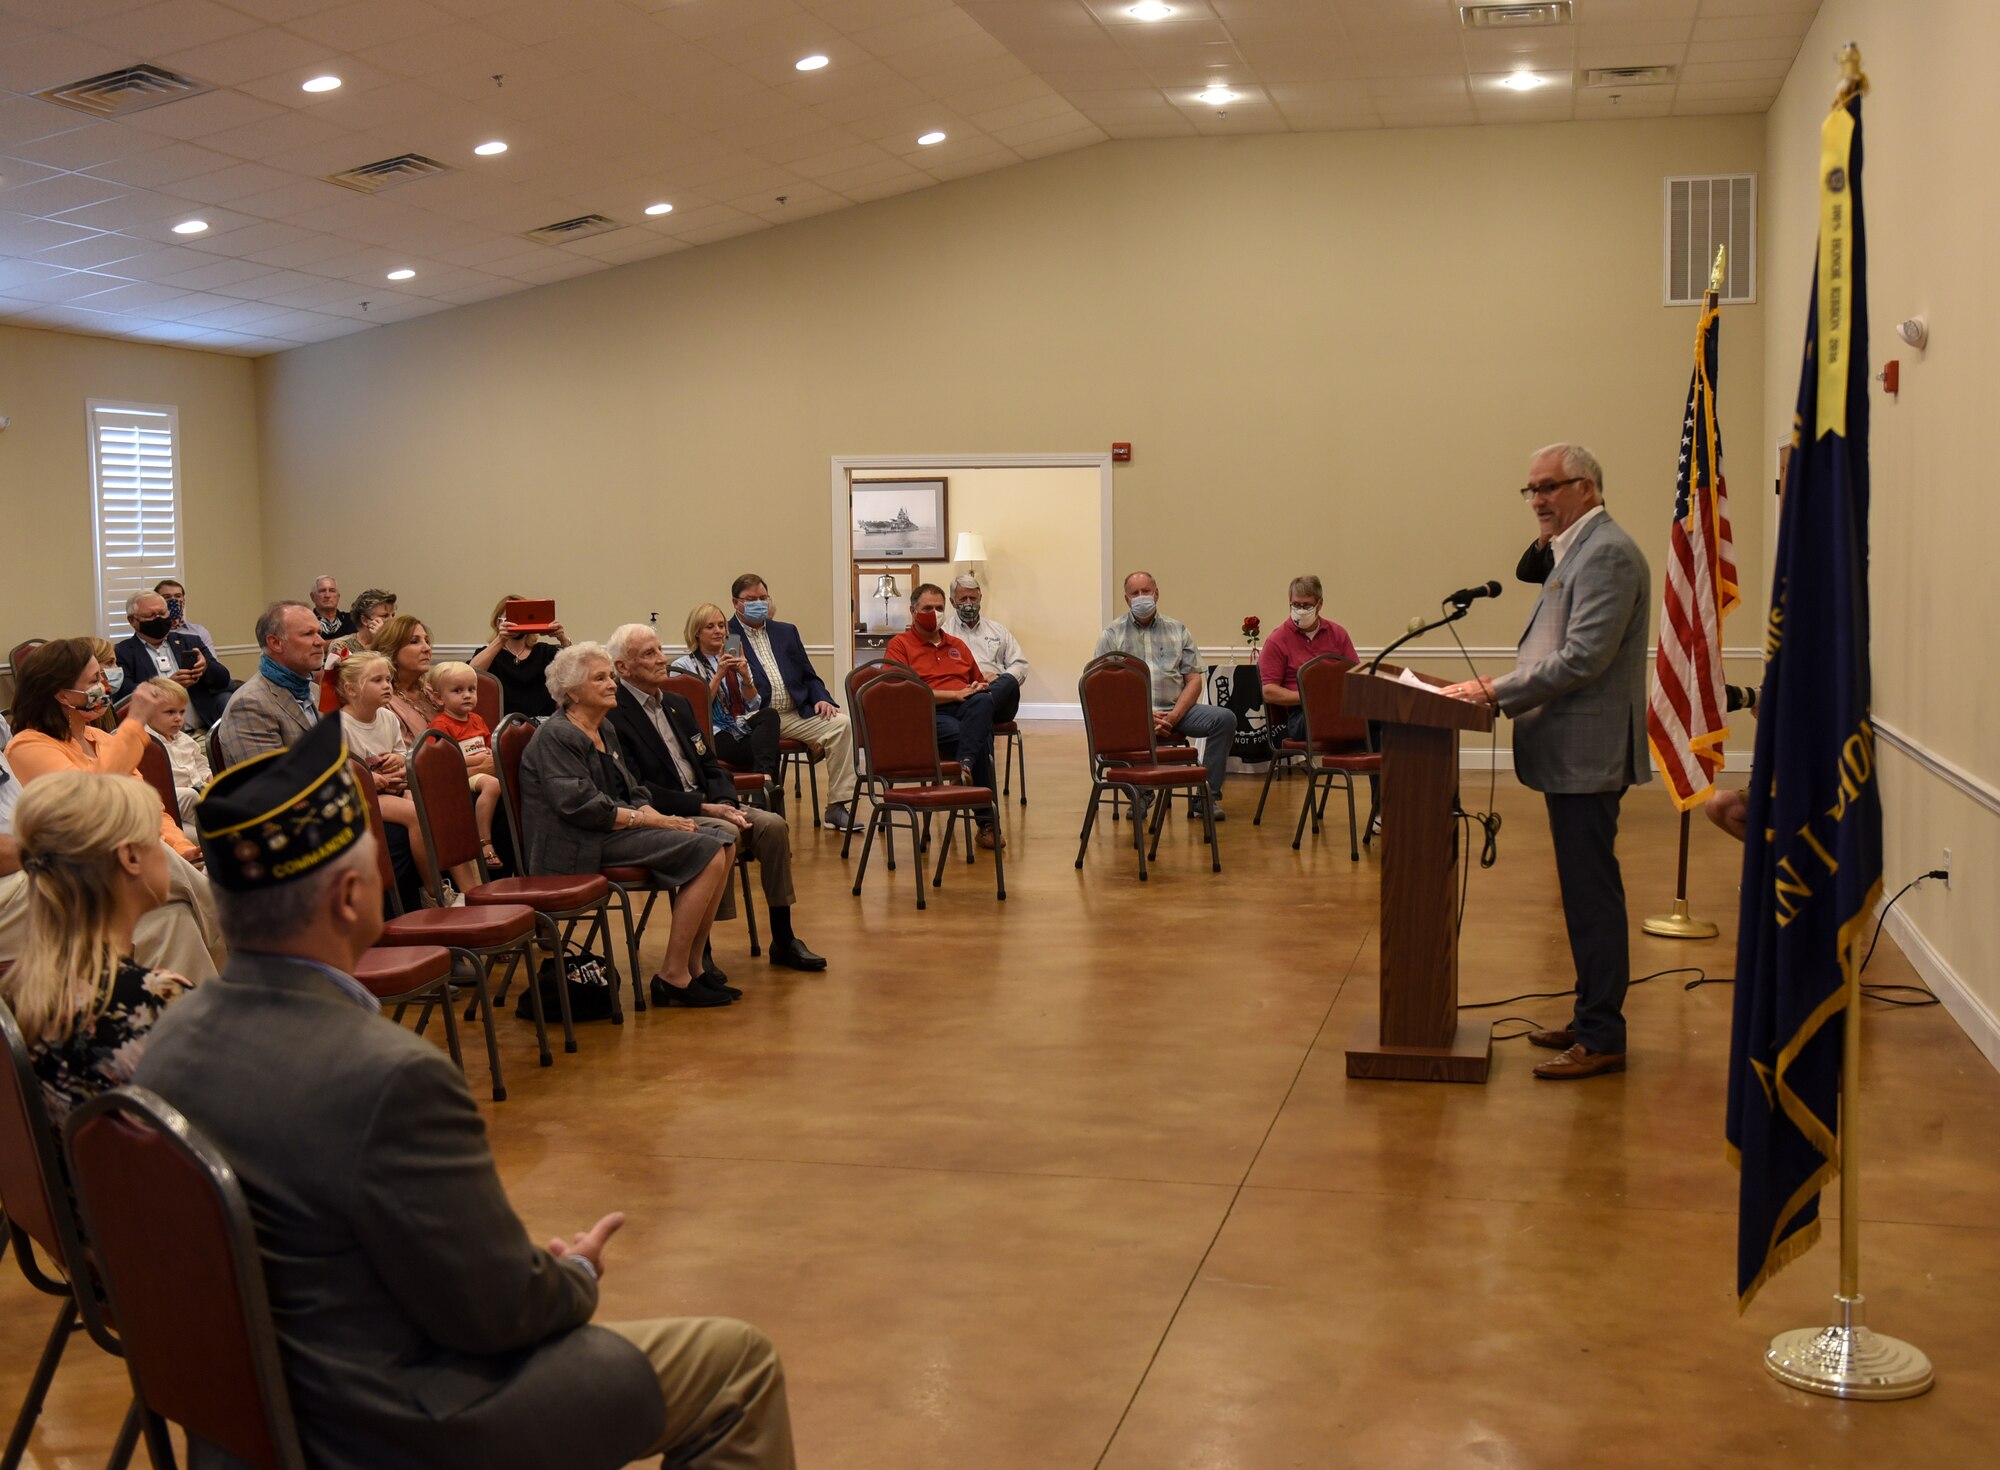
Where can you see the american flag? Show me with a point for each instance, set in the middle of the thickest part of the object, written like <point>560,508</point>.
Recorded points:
<point>1684,719</point>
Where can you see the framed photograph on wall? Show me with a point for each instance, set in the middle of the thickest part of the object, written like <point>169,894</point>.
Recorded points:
<point>897,520</point>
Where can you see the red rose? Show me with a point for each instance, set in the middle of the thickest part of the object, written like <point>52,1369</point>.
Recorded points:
<point>1252,623</point>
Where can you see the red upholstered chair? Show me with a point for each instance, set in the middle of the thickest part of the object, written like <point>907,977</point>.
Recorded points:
<point>864,778</point>
<point>159,773</point>
<point>899,723</point>
<point>443,796</point>
<point>212,740</point>
<point>39,1213</point>
<point>1336,745</point>
<point>1173,755</point>
<point>1126,759</point>
<point>474,939</point>
<point>794,755</point>
<point>194,1318</point>
<point>510,743</point>
<point>488,702</point>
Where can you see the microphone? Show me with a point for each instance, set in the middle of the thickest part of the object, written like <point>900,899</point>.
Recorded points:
<point>1464,595</point>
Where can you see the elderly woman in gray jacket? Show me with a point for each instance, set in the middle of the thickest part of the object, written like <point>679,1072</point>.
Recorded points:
<point>583,812</point>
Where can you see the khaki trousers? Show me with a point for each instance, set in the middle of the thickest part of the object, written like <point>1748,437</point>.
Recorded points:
<point>835,736</point>
<point>180,935</point>
<point>725,1393</point>
<point>769,841</point>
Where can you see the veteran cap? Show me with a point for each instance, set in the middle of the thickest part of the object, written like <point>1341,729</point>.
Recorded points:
<point>281,817</point>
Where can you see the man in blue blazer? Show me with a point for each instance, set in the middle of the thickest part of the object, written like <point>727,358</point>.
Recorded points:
<point>789,684</point>
<point>1577,697</point>
<point>154,651</point>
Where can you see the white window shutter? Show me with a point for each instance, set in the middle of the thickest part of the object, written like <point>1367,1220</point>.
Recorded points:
<point>136,493</point>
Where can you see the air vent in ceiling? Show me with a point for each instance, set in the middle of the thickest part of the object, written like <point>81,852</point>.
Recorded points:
<point>1513,17</point>
<point>127,90</point>
<point>580,228</point>
<point>373,178</point>
<point>1628,76</point>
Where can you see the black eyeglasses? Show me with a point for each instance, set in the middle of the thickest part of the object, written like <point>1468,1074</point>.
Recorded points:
<point>1529,492</point>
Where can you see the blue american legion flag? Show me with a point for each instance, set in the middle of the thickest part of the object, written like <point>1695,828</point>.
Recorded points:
<point>1812,858</point>
<point>1684,716</point>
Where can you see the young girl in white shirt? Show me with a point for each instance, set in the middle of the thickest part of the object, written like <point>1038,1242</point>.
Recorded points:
<point>375,737</point>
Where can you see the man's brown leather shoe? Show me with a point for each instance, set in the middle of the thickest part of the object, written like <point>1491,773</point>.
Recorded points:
<point>1561,1040</point>
<point>1576,1062</point>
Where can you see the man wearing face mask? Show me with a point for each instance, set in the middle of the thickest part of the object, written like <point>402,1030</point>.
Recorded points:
<point>1169,651</point>
<point>1305,635</point>
<point>1001,662</point>
<point>155,650</point>
<point>965,713</point>
<point>785,677</point>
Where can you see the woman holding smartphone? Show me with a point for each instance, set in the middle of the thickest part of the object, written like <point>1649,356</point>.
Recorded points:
<point>744,727</point>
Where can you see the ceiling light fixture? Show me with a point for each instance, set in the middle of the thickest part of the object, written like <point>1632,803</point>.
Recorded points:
<point>1522,81</point>
<point>661,208</point>
<point>402,275</point>
<point>929,138</point>
<point>190,227</point>
<point>809,63</point>
<point>487,150</point>
<point>1217,95</point>
<point>320,84</point>
<point>1149,10</point>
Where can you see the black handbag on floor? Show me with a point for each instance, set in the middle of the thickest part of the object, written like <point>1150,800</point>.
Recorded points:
<point>589,977</point>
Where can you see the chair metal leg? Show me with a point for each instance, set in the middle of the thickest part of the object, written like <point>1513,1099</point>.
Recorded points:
<point>1020,743</point>
<point>159,1444</point>
<point>749,907</point>
<point>600,932</point>
<point>450,1023</point>
<point>1208,821</point>
<point>1138,829</point>
<point>944,852</point>
<point>1305,810</point>
<point>524,949</point>
<point>544,923</point>
<point>875,815</point>
<point>1159,820</point>
<point>475,975</point>
<point>999,858</point>
<point>128,1439</point>
<point>970,835</point>
<point>1353,837</point>
<point>67,1321</point>
<point>1265,795</point>
<point>623,898</point>
<point>812,775</point>
<point>1089,820</point>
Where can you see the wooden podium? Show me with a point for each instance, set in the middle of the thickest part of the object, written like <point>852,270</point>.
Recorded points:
<point>1419,1037</point>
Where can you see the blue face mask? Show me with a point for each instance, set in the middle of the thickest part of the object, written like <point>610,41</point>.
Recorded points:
<point>115,678</point>
<point>756,610</point>
<point>1144,607</point>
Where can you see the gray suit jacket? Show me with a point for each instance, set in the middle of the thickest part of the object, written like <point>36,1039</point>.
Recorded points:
<point>419,1325</point>
<point>1578,694</point>
<point>260,717</point>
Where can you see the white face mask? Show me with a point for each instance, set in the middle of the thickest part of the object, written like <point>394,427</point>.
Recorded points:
<point>1305,617</point>
<point>1144,607</point>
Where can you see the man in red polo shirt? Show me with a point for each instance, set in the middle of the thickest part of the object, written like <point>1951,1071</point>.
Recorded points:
<point>1305,636</point>
<point>964,706</point>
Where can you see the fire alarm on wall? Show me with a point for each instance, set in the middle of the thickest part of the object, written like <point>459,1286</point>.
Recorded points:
<point>1121,454</point>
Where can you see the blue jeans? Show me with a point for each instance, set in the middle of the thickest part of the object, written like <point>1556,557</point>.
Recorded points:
<point>1006,692</point>
<point>965,734</point>
<point>1217,726</point>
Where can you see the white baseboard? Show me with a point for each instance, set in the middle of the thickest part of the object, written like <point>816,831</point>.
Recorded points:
<point>1974,1019</point>
<point>1051,711</point>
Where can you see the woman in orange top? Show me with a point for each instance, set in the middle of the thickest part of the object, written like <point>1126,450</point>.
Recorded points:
<point>59,691</point>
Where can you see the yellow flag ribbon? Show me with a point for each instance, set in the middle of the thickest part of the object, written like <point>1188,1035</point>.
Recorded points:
<point>1836,269</point>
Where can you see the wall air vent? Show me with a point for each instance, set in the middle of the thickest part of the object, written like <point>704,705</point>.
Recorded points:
<point>580,228</point>
<point>1513,17</point>
<point>1628,76</point>
<point>1702,213</point>
<point>373,178</point>
<point>127,90</point>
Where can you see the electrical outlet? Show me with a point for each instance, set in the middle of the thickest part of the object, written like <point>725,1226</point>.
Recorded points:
<point>1946,865</point>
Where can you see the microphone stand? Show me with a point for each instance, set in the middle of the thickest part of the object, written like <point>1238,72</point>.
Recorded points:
<point>1458,610</point>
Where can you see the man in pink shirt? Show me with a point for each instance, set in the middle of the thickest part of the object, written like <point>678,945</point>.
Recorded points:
<point>1306,635</point>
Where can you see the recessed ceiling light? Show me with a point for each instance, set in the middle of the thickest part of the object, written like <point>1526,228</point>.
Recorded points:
<point>1217,95</point>
<point>320,84</point>
<point>661,208</point>
<point>1522,81</point>
<point>487,150</point>
<point>1149,10</point>
<point>190,227</point>
<point>402,275</point>
<point>929,138</point>
<point>809,63</point>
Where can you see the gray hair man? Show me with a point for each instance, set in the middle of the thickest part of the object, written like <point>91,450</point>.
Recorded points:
<point>1001,663</point>
<point>334,620</point>
<point>344,1129</point>
<point>1168,649</point>
<point>672,756</point>
<point>1577,697</point>
<point>275,709</point>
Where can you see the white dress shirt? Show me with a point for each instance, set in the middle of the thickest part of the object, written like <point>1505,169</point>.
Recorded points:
<point>1567,539</point>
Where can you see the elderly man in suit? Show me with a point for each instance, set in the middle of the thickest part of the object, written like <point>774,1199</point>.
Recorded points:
<point>418,1323</point>
<point>1578,701</point>
<point>155,650</point>
<point>785,677</point>
<point>670,755</point>
<point>275,709</point>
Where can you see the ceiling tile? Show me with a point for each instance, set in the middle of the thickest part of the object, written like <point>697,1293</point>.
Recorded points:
<point>171,25</point>
<point>365,23</point>
<point>54,59</point>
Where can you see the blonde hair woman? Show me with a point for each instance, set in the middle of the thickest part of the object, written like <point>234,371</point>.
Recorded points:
<point>520,661</point>
<point>743,726</point>
<point>91,848</point>
<point>406,643</point>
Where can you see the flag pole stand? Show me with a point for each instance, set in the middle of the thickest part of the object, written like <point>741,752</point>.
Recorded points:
<point>1849,1360</point>
<point>1681,923</point>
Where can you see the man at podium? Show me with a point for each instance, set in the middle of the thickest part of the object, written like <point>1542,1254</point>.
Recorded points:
<point>1577,697</point>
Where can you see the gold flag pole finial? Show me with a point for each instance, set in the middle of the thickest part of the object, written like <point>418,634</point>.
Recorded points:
<point>1719,273</point>
<point>1853,80</point>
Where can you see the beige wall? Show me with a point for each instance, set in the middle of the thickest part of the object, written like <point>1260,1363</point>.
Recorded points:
<point>49,589</point>
<point>1928,126</point>
<point>1043,561</point>
<point>1330,351</point>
